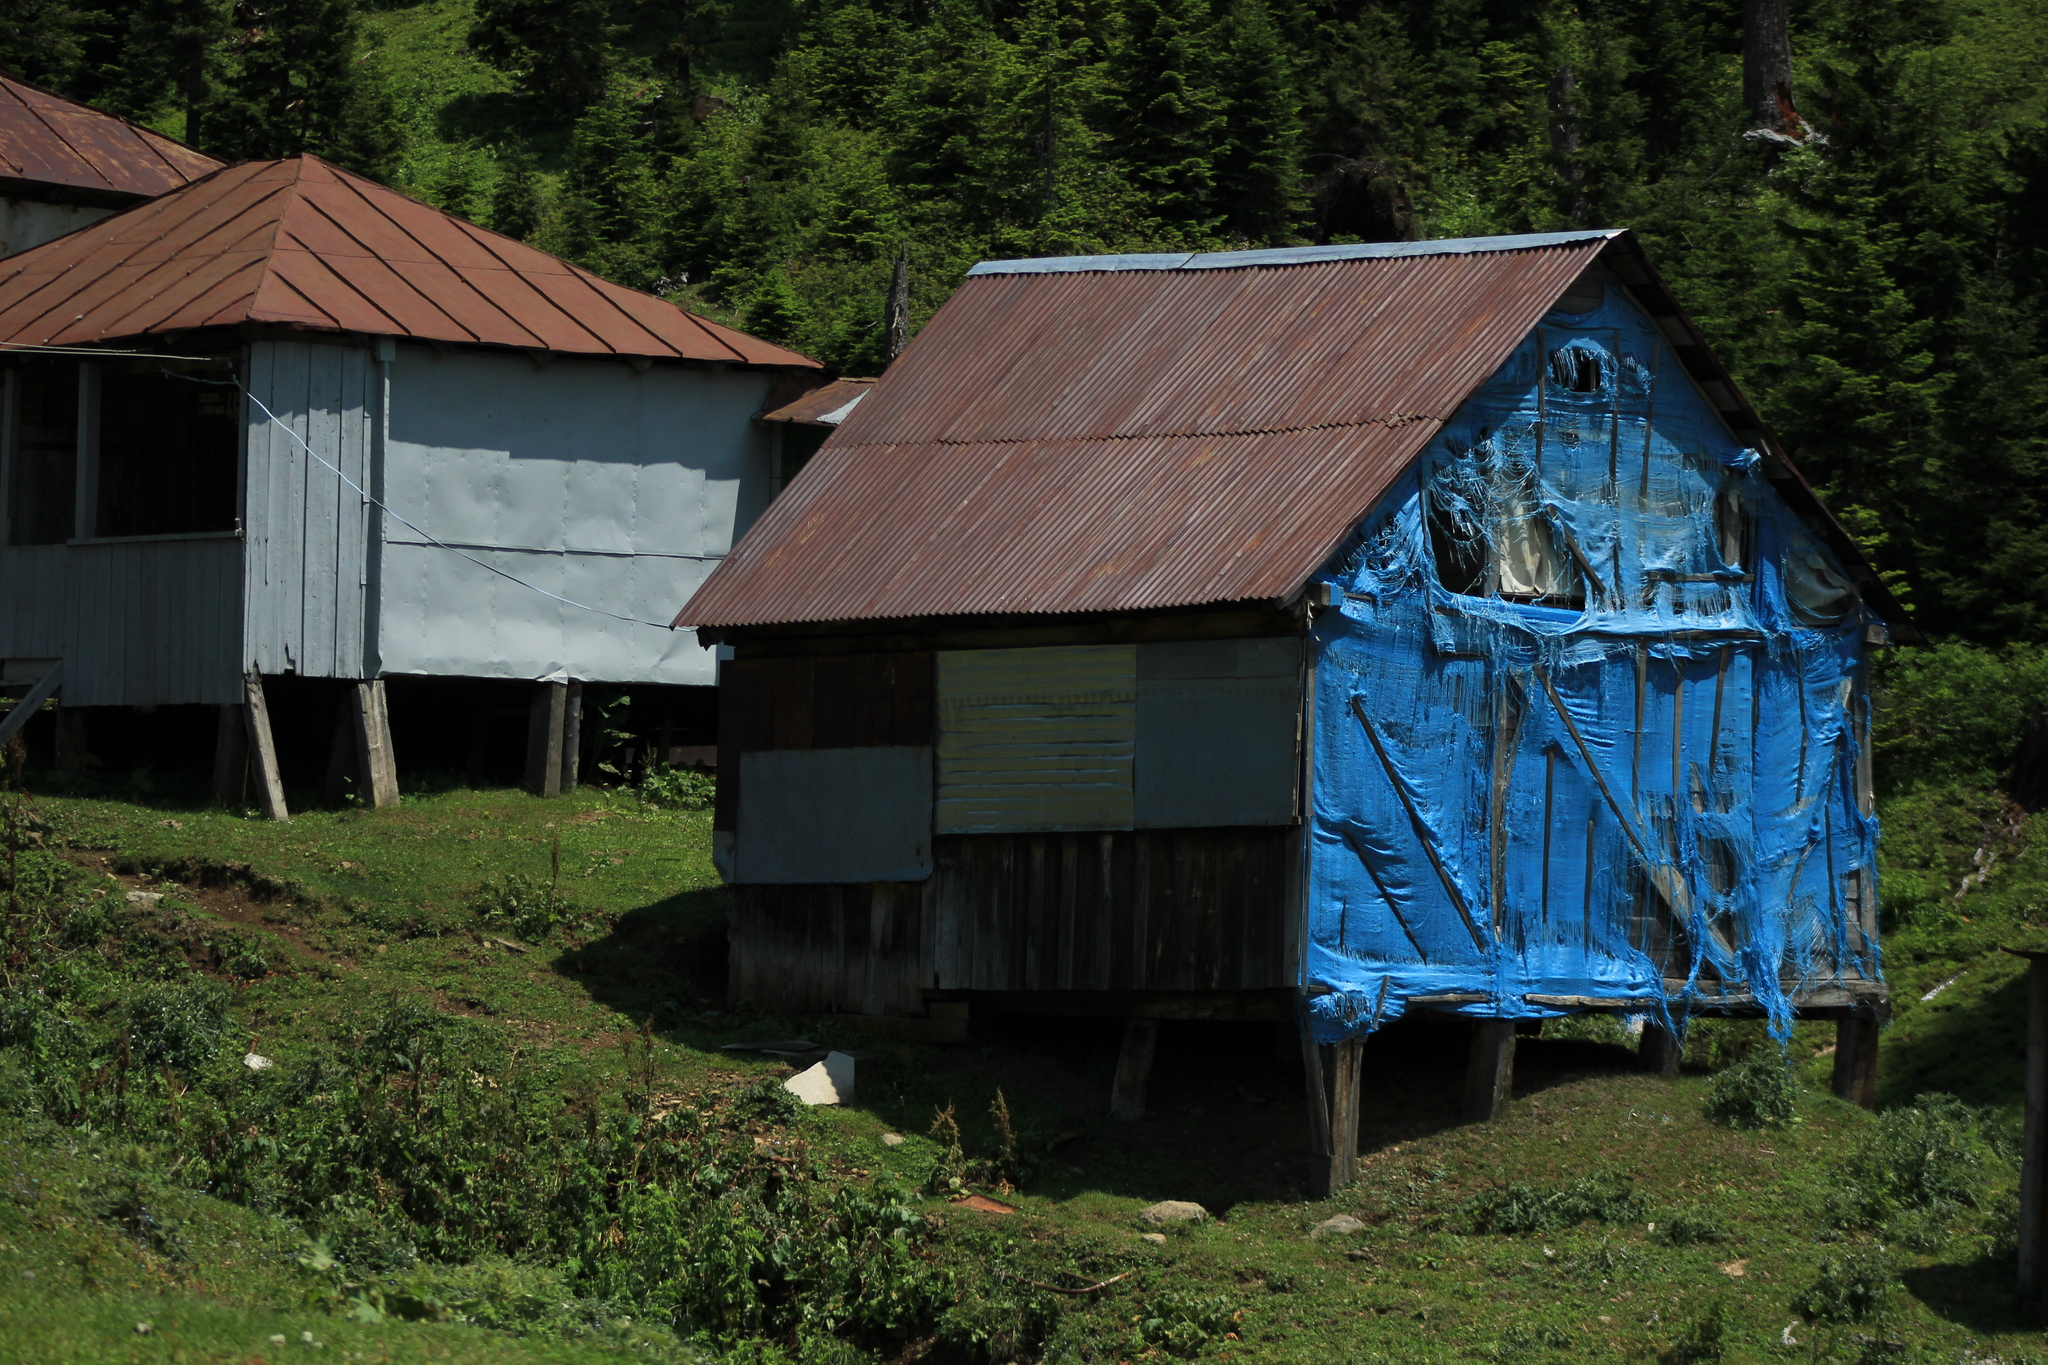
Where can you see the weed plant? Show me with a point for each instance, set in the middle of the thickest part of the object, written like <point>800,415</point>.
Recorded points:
<point>1518,1208</point>
<point>1759,1091</point>
<point>530,907</point>
<point>1917,1171</point>
<point>669,788</point>
<point>1850,1286</point>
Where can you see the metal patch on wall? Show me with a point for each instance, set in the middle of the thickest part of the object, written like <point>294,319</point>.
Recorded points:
<point>1036,739</point>
<point>835,815</point>
<point>1218,724</point>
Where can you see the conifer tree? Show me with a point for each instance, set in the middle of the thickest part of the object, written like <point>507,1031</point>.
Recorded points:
<point>1164,113</point>
<point>607,192</point>
<point>1258,175</point>
<point>556,49</point>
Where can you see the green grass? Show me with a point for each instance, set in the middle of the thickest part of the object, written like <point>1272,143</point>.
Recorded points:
<point>348,912</point>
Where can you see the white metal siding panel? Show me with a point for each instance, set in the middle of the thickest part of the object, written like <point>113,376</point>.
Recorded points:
<point>1036,739</point>
<point>306,527</point>
<point>835,815</point>
<point>608,486</point>
<point>1218,726</point>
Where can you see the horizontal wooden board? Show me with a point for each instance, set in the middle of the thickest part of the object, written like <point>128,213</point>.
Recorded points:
<point>1036,739</point>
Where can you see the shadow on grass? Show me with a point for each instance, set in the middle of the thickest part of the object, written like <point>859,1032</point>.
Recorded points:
<point>1981,1295</point>
<point>1973,1052</point>
<point>660,961</point>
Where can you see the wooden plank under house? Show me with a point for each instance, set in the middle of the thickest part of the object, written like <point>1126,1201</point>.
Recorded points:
<point>1314,636</point>
<point>383,462</point>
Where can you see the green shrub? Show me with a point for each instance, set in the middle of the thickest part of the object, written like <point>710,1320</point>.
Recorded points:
<point>530,907</point>
<point>87,922</point>
<point>1757,1092</point>
<point>1533,1208</point>
<point>1704,1341</point>
<point>1182,1324</point>
<point>1954,713</point>
<point>677,788</point>
<point>1849,1287</point>
<point>1914,1172</point>
<point>1690,1227</point>
<point>178,1025</point>
<point>38,877</point>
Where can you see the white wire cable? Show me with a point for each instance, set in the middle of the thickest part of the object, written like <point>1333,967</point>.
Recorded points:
<point>409,525</point>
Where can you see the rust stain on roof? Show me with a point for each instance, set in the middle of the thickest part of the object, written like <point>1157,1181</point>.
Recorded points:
<point>305,244</point>
<point>1117,439</point>
<point>48,140</point>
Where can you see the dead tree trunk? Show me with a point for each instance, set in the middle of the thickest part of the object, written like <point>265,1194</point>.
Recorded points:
<point>1565,143</point>
<point>896,314</point>
<point>1767,70</point>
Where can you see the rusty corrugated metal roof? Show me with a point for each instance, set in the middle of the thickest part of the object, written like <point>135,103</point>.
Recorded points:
<point>1128,433</point>
<point>47,140</point>
<point>303,243</point>
<point>826,406</point>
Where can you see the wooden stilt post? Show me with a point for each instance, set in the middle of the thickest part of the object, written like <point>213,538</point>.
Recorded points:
<point>1855,1074</point>
<point>262,749</point>
<point>1333,1096</point>
<point>1659,1049</point>
<point>231,757</point>
<point>1490,1074</point>
<point>544,739</point>
<point>1133,1069</point>
<point>2034,1132</point>
<point>572,736</point>
<point>372,733</point>
<point>71,748</point>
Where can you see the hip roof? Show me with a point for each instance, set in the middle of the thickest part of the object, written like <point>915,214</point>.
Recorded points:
<point>49,141</point>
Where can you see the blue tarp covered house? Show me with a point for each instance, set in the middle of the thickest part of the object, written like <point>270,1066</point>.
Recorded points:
<point>1325,633</point>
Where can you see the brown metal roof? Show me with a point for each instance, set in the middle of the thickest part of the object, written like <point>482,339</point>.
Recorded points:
<point>1114,434</point>
<point>305,244</point>
<point>48,140</point>
<point>1116,439</point>
<point>826,406</point>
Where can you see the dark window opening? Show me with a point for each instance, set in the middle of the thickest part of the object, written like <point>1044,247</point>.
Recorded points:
<point>1575,369</point>
<point>1457,541</point>
<point>168,447</point>
<point>42,453</point>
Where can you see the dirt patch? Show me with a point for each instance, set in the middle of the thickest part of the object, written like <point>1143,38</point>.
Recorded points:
<point>229,892</point>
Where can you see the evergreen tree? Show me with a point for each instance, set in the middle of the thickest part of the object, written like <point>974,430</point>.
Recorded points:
<point>293,84</point>
<point>516,209</point>
<point>39,39</point>
<point>607,192</point>
<point>1258,175</point>
<point>1164,112</point>
<point>556,49</point>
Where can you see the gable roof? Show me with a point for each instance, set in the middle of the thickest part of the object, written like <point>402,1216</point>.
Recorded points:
<point>304,244</point>
<point>1128,433</point>
<point>49,142</point>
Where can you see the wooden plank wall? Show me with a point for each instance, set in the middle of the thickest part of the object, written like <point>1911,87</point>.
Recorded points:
<point>307,531</point>
<point>828,948</point>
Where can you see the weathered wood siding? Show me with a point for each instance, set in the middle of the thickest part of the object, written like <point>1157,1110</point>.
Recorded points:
<point>308,532</point>
<point>151,622</point>
<point>826,949</point>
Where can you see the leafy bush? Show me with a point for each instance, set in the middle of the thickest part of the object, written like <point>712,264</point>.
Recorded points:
<point>1757,1092</point>
<point>1915,1171</point>
<point>1704,1341</point>
<point>179,1025</point>
<point>1850,1287</point>
<point>1182,1324</point>
<point>38,877</point>
<point>1954,713</point>
<point>531,907</point>
<point>1533,1208</point>
<point>677,788</point>
<point>87,922</point>
<point>1690,1227</point>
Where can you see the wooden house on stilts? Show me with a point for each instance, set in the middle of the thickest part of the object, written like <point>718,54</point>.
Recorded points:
<point>1317,634</point>
<point>283,421</point>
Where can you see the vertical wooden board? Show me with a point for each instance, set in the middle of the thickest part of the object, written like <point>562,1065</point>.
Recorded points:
<point>321,405</point>
<point>1072,884</point>
<point>793,703</point>
<point>913,690</point>
<point>352,523</point>
<point>833,702</point>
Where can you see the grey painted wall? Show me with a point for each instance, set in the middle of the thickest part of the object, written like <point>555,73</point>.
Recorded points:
<point>607,485</point>
<point>28,222</point>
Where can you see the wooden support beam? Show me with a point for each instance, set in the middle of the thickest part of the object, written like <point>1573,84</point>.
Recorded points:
<point>262,749</point>
<point>371,725</point>
<point>342,770</point>
<point>2034,1134</point>
<point>1133,1069</point>
<point>1333,1096</point>
<point>572,736</point>
<point>231,757</point>
<point>1490,1073</point>
<point>1659,1049</point>
<point>18,715</point>
<point>1855,1076</point>
<point>544,739</point>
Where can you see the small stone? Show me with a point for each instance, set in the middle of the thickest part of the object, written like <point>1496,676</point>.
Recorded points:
<point>892,1139</point>
<point>277,1338</point>
<point>1174,1211</point>
<point>829,1082</point>
<point>144,897</point>
<point>143,1329</point>
<point>1343,1225</point>
<point>257,1063</point>
<point>1155,1238</point>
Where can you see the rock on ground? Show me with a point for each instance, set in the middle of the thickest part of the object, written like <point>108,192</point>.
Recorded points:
<point>1342,1225</point>
<point>1174,1211</point>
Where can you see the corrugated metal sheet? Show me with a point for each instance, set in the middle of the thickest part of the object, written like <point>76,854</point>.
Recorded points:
<point>823,407</point>
<point>1036,739</point>
<point>305,244</point>
<point>1118,439</point>
<point>48,140</point>
<point>835,815</point>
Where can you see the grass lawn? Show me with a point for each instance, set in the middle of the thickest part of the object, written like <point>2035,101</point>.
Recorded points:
<point>1690,1241</point>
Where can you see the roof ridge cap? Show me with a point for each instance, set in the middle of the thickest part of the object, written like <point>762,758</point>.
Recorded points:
<point>1294,255</point>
